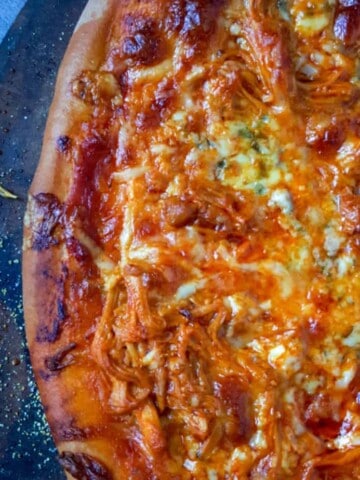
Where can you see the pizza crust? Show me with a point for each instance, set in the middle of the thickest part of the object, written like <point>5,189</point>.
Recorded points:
<point>84,52</point>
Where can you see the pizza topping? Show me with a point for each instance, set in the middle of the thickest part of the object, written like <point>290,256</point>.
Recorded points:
<point>144,45</point>
<point>237,400</point>
<point>335,463</point>
<point>324,132</point>
<point>84,467</point>
<point>178,212</point>
<point>211,241</point>
<point>100,89</point>
<point>349,206</point>
<point>194,21</point>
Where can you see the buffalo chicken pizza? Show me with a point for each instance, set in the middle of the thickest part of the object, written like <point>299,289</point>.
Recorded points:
<point>192,242</point>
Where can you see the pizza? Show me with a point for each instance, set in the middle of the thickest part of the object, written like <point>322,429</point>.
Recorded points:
<point>192,242</point>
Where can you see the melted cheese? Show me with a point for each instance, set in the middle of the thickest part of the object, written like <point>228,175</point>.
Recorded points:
<point>232,186</point>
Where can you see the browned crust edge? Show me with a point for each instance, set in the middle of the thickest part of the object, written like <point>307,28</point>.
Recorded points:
<point>85,51</point>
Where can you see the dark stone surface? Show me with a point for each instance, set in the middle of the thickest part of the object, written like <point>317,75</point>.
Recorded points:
<point>29,58</point>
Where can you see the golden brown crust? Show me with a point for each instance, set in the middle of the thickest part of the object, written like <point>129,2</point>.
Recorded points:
<point>84,52</point>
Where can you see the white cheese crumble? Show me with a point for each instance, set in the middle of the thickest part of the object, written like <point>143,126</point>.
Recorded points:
<point>344,264</point>
<point>129,174</point>
<point>258,440</point>
<point>311,385</point>
<point>353,339</point>
<point>309,25</point>
<point>235,29</point>
<point>281,198</point>
<point>346,377</point>
<point>333,241</point>
<point>275,353</point>
<point>190,465</point>
<point>188,289</point>
<point>212,474</point>
<point>351,438</point>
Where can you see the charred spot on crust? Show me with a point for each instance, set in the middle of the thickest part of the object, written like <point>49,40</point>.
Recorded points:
<point>61,359</point>
<point>84,467</point>
<point>63,143</point>
<point>48,334</point>
<point>94,150</point>
<point>81,254</point>
<point>67,430</point>
<point>61,309</point>
<point>48,212</point>
<point>44,375</point>
<point>55,309</point>
<point>144,44</point>
<point>72,433</point>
